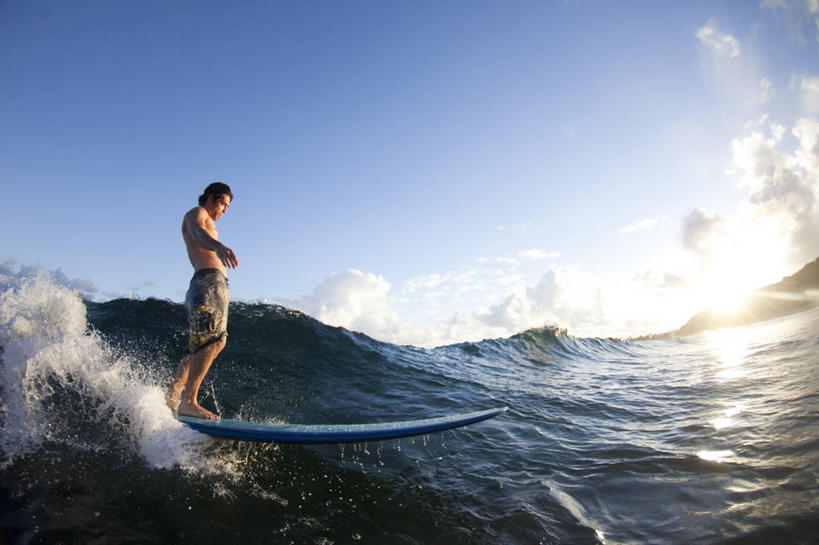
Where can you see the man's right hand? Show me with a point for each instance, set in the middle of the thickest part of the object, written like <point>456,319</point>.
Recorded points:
<point>228,257</point>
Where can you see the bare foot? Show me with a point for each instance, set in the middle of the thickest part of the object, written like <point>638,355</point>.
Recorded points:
<point>194,410</point>
<point>172,397</point>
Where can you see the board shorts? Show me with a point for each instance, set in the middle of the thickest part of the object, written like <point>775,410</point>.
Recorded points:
<point>207,304</point>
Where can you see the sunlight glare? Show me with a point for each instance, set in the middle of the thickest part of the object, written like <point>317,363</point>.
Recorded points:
<point>748,254</point>
<point>717,456</point>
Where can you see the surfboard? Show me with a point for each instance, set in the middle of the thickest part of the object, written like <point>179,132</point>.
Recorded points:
<point>334,433</point>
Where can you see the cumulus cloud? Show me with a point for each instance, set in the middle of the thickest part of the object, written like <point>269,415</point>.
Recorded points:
<point>720,44</point>
<point>783,187</point>
<point>775,225</point>
<point>698,226</point>
<point>354,300</point>
<point>563,296</point>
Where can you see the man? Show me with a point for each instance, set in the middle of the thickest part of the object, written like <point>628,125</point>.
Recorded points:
<point>207,298</point>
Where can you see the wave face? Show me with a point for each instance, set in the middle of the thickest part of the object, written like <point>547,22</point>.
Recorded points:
<point>707,439</point>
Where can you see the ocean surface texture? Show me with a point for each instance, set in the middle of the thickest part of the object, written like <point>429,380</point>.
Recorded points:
<point>705,439</point>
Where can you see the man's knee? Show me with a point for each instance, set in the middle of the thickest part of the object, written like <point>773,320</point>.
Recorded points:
<point>220,344</point>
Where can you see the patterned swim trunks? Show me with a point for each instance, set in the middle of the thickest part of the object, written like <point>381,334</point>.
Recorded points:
<point>207,303</point>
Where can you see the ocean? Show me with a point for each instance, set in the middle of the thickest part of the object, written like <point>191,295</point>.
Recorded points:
<point>712,438</point>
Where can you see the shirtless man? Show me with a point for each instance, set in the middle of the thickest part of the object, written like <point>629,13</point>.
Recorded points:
<point>206,301</point>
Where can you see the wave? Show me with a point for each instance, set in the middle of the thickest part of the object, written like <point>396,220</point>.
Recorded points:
<point>605,439</point>
<point>65,384</point>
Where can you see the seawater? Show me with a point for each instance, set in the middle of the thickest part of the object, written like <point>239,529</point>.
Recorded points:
<point>705,439</point>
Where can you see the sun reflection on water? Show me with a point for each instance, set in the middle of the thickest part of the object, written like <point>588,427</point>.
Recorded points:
<point>727,418</point>
<point>731,346</point>
<point>718,456</point>
<point>730,349</point>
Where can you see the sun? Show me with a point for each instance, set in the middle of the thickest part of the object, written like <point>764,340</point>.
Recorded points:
<point>726,289</point>
<point>737,268</point>
<point>744,256</point>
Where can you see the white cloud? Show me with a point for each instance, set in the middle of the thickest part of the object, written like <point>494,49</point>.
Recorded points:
<point>779,218</point>
<point>774,228</point>
<point>563,296</point>
<point>736,73</point>
<point>535,254</point>
<point>428,281</point>
<point>808,88</point>
<point>11,274</point>
<point>354,300</point>
<point>720,44</point>
<point>755,123</point>
<point>764,92</point>
<point>640,225</point>
<point>698,226</point>
<point>511,261</point>
<point>807,156</point>
<point>786,186</point>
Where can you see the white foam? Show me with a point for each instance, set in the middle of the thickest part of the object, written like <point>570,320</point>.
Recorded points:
<point>46,343</point>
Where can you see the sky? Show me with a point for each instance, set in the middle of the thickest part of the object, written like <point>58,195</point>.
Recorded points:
<point>423,172</point>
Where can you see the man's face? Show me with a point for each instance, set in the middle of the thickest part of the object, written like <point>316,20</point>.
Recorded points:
<point>217,205</point>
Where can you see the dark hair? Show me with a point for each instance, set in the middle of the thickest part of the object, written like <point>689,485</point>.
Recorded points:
<point>216,188</point>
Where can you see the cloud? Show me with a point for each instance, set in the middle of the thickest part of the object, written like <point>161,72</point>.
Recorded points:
<point>736,73</point>
<point>134,290</point>
<point>640,225</point>
<point>510,261</point>
<point>721,45</point>
<point>535,254</point>
<point>354,300</point>
<point>764,92</point>
<point>563,296</point>
<point>428,281</point>
<point>774,228</point>
<point>698,226</point>
<point>808,88</point>
<point>11,274</point>
<point>807,156</point>
<point>783,188</point>
<point>658,280</point>
<point>801,17</point>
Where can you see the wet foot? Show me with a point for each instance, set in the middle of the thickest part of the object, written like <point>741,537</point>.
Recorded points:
<point>194,410</point>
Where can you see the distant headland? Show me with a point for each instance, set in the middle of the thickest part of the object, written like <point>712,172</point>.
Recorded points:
<point>792,294</point>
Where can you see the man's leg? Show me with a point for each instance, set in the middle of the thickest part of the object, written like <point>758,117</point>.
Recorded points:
<point>178,384</point>
<point>198,367</point>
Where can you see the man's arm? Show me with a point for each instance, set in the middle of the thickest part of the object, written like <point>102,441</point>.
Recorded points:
<point>195,223</point>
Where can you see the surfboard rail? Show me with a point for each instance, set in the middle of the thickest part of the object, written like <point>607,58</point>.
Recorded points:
<point>333,433</point>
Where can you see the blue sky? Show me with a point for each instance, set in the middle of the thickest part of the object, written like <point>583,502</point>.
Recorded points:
<point>426,172</point>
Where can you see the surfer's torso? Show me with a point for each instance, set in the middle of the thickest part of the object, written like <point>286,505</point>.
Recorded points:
<point>201,257</point>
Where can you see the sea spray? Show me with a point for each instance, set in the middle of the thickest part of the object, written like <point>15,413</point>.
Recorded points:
<point>57,377</point>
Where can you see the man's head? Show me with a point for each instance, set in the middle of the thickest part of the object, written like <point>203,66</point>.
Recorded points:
<point>216,199</point>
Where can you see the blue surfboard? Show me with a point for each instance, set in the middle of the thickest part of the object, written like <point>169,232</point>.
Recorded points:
<point>339,433</point>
